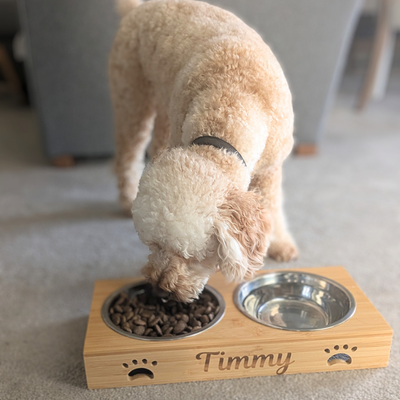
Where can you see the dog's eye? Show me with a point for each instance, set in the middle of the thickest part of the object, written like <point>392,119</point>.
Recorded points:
<point>154,247</point>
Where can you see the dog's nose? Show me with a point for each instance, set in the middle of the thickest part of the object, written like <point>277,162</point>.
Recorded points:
<point>160,292</point>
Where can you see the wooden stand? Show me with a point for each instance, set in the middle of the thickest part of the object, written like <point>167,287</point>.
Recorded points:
<point>236,347</point>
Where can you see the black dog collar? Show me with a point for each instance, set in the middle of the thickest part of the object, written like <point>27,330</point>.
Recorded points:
<point>219,144</point>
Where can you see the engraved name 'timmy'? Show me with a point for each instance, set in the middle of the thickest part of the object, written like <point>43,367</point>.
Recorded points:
<point>248,361</point>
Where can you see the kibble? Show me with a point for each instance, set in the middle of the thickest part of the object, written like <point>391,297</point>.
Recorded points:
<point>116,318</point>
<point>179,327</point>
<point>185,318</point>
<point>151,316</point>
<point>126,327</point>
<point>118,309</point>
<point>139,330</point>
<point>129,315</point>
<point>158,330</point>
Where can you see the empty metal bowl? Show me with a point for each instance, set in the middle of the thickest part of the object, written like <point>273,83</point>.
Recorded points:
<point>295,301</point>
<point>138,288</point>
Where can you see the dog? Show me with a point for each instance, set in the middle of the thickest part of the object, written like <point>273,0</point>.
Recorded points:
<point>221,110</point>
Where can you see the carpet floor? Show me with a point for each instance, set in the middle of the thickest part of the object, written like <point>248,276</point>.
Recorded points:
<point>62,229</point>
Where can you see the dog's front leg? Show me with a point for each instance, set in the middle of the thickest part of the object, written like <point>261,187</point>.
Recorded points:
<point>268,182</point>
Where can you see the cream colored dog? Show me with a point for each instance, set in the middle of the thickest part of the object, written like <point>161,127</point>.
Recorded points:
<point>191,70</point>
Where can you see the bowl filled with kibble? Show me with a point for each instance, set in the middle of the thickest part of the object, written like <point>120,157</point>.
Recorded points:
<point>135,311</point>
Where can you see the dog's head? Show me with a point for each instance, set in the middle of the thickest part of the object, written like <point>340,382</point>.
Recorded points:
<point>195,222</point>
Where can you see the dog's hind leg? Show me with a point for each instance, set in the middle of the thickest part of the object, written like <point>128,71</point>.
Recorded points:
<point>160,134</point>
<point>134,111</point>
<point>268,181</point>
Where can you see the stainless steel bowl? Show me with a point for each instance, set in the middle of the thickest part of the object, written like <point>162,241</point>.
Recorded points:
<point>295,301</point>
<point>142,287</point>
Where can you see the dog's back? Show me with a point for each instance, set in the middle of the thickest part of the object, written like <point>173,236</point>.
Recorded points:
<point>186,48</point>
<point>177,34</point>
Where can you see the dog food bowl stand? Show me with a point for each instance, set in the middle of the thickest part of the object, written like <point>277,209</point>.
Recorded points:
<point>239,345</point>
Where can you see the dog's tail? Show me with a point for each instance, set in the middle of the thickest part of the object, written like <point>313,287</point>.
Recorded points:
<point>124,7</point>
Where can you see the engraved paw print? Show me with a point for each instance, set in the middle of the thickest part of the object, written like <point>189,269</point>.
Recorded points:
<point>340,357</point>
<point>139,371</point>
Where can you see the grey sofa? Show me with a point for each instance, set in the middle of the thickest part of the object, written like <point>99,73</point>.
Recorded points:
<point>311,39</point>
<point>69,42</point>
<point>8,18</point>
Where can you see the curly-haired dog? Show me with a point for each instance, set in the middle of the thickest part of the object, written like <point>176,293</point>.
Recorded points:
<point>194,71</point>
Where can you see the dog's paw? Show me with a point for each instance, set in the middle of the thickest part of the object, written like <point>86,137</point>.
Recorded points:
<point>126,204</point>
<point>283,250</point>
<point>126,210</point>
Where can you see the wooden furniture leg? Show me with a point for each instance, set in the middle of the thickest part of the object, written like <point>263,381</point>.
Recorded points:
<point>305,149</point>
<point>63,161</point>
<point>379,50</point>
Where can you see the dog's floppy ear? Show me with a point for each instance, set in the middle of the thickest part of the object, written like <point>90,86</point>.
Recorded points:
<point>243,232</point>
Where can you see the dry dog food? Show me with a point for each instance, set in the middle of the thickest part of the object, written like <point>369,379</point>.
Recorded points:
<point>148,315</point>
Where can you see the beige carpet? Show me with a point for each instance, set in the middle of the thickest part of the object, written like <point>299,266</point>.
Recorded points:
<point>60,230</point>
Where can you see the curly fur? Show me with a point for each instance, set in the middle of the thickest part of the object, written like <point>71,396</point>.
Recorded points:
<point>177,275</point>
<point>124,7</point>
<point>189,69</point>
<point>243,231</point>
